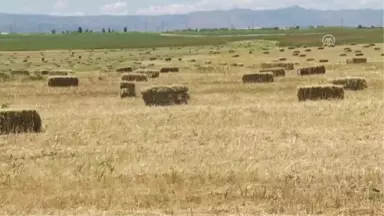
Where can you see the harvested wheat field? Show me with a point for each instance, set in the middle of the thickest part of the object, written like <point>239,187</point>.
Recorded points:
<point>233,149</point>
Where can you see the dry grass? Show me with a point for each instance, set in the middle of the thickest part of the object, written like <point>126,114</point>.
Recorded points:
<point>251,149</point>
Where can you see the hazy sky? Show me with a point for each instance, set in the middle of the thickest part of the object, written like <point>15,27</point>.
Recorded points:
<point>120,7</point>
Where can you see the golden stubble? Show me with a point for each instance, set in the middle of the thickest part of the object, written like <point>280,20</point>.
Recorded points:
<point>235,148</point>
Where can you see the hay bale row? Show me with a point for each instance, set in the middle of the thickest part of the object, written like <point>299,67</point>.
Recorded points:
<point>311,70</point>
<point>127,89</point>
<point>275,71</point>
<point>19,121</point>
<point>169,69</point>
<point>237,65</point>
<point>285,65</point>
<point>149,73</point>
<point>351,83</point>
<point>20,73</point>
<point>63,81</point>
<point>356,60</point>
<point>165,95</point>
<point>133,77</point>
<point>320,92</point>
<point>124,69</point>
<point>264,77</point>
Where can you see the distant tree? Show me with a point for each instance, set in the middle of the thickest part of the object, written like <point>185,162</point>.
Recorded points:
<point>103,30</point>
<point>359,26</point>
<point>53,31</point>
<point>125,29</point>
<point>80,30</point>
<point>109,30</point>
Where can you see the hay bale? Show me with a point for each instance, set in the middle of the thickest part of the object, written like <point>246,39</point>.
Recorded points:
<point>264,77</point>
<point>205,68</point>
<point>20,73</point>
<point>63,81</point>
<point>310,59</point>
<point>323,60</point>
<point>295,54</point>
<point>282,59</point>
<point>149,73</point>
<point>311,70</point>
<point>302,55</point>
<point>191,60</point>
<point>376,48</point>
<point>356,60</point>
<point>231,51</point>
<point>290,48</point>
<point>357,51</point>
<point>285,65</point>
<point>351,83</point>
<point>169,69</point>
<point>276,71</point>
<point>372,44</point>
<point>19,121</point>
<point>359,54</point>
<point>152,59</point>
<point>343,54</point>
<point>124,69</point>
<point>320,92</point>
<point>165,95</point>
<point>266,52</point>
<point>168,59</point>
<point>320,48</point>
<point>127,89</point>
<point>208,62</point>
<point>281,50</point>
<point>307,50</point>
<point>366,46</point>
<point>237,64</point>
<point>4,76</point>
<point>133,77</point>
<point>235,56</point>
<point>57,73</point>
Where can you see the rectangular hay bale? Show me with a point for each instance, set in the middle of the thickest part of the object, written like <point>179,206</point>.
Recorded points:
<point>19,121</point>
<point>320,92</point>
<point>351,83</point>
<point>264,77</point>
<point>311,70</point>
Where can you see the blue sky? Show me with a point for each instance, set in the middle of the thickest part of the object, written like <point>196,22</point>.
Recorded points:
<point>122,7</point>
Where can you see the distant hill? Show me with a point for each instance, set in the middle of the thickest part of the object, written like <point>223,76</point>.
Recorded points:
<point>236,18</point>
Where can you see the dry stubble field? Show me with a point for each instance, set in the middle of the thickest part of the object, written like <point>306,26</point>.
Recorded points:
<point>235,148</point>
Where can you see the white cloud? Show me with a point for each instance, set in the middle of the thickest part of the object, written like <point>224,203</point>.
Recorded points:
<point>114,8</point>
<point>61,4</point>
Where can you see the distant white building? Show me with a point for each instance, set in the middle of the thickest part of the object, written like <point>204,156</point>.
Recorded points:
<point>4,33</point>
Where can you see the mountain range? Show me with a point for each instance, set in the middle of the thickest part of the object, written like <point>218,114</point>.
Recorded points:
<point>235,18</point>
